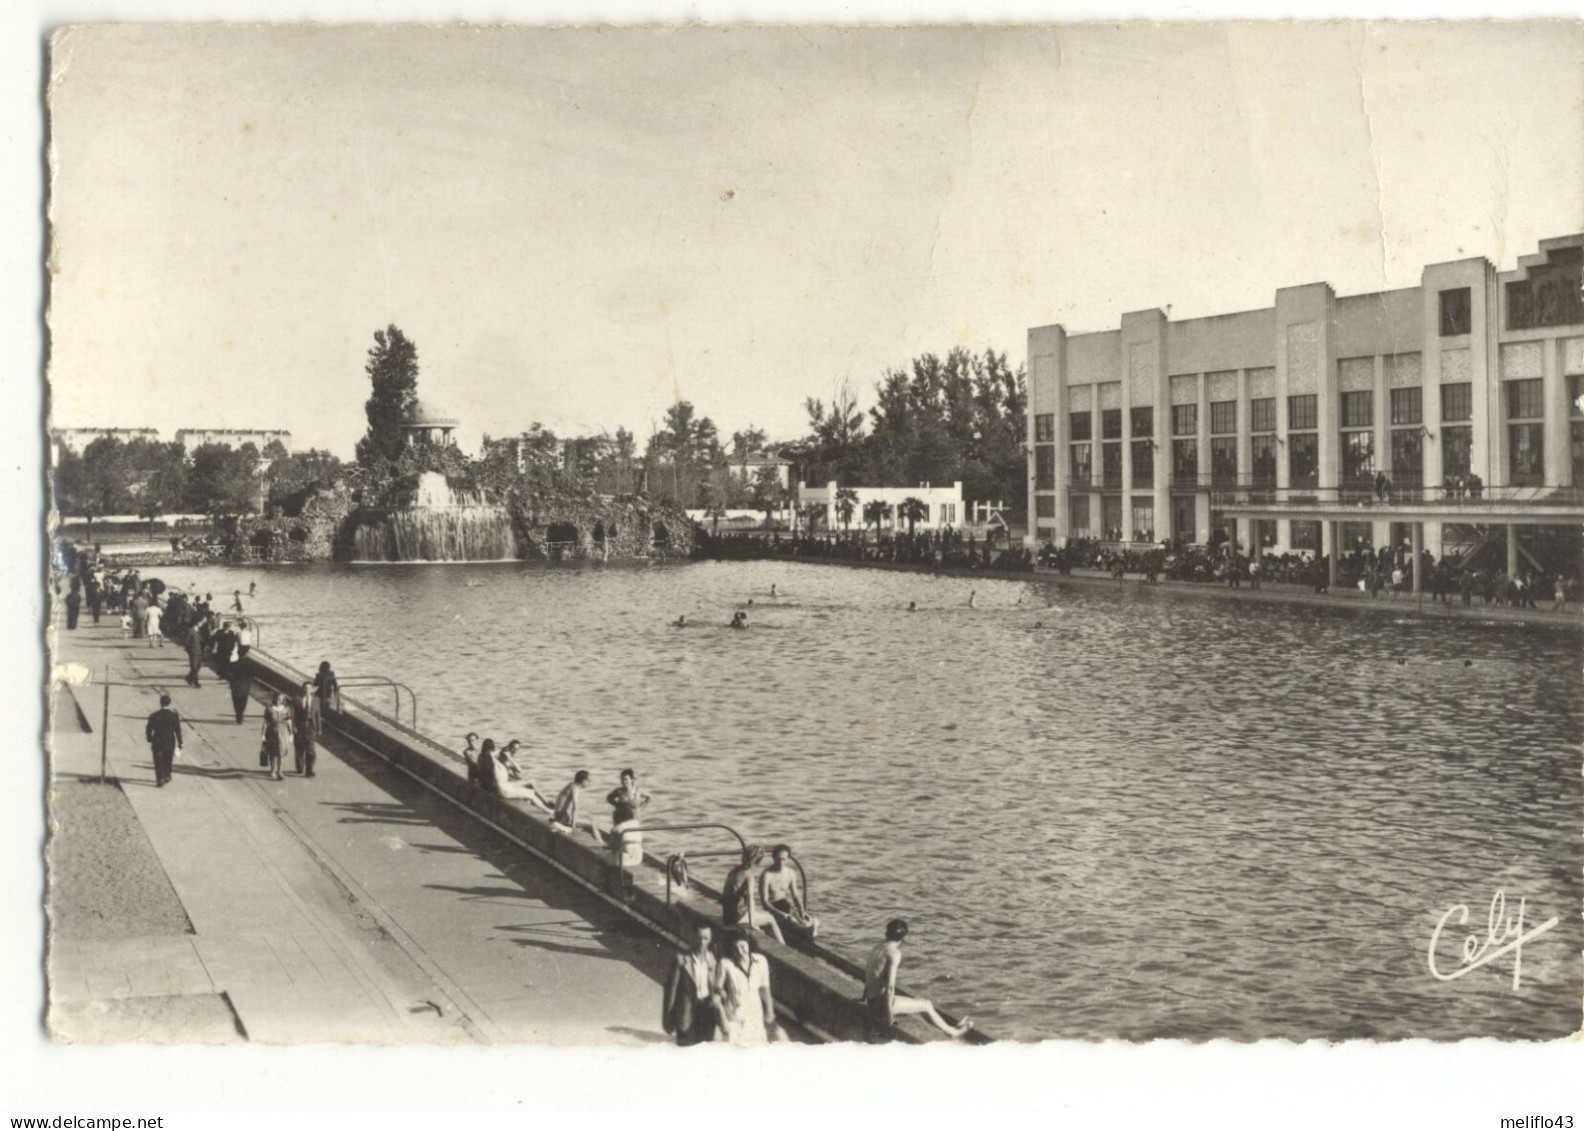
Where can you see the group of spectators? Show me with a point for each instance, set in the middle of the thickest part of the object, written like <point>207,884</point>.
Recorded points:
<point>1385,570</point>
<point>944,548</point>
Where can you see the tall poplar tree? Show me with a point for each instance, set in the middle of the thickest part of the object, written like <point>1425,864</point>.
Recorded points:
<point>392,367</point>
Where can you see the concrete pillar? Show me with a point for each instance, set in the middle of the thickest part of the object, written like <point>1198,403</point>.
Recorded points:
<point>1512,550</point>
<point>1330,540</point>
<point>1558,452</point>
<point>1382,418</point>
<point>1418,550</point>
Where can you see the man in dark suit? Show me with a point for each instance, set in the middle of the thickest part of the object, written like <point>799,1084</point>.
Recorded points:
<point>164,735</point>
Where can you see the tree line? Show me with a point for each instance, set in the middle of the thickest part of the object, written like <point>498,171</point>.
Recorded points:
<point>151,478</point>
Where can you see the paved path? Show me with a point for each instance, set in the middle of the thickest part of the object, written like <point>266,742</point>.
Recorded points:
<point>355,906</point>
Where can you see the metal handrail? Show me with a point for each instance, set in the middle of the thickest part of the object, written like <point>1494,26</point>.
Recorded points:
<point>621,845</point>
<point>396,686</point>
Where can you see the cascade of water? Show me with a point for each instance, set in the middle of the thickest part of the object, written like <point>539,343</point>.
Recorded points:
<point>438,526</point>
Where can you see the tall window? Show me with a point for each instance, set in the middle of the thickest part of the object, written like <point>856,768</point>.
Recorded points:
<point>1264,469</point>
<point>1457,402</point>
<point>1526,431</point>
<point>1407,457</point>
<point>1306,536</point>
<point>1142,422</point>
<point>1143,519</point>
<point>1358,410</point>
<point>1078,517</point>
<point>1044,467</point>
<point>1223,418</point>
<point>1079,422</point>
<point>1576,425</point>
<point>1045,428</point>
<point>1456,312</point>
<point>1457,447</point>
<point>1143,463</point>
<point>1185,462</point>
<point>1262,414</point>
<point>1111,464</point>
<point>1185,420</point>
<point>1407,406</point>
<point>1183,517</point>
<point>1111,424</point>
<point>1358,457</point>
<point>1303,443</point>
<point>1303,467</point>
<point>1082,464</point>
<point>1111,518</point>
<point>1223,460</point>
<point>1044,506</point>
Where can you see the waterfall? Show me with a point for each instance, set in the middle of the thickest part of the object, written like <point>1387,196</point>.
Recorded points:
<point>435,525</point>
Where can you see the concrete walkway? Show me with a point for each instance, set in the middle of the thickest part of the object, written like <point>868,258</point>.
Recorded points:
<point>354,906</point>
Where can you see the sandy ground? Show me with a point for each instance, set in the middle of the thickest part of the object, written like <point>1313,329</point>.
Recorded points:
<point>105,881</point>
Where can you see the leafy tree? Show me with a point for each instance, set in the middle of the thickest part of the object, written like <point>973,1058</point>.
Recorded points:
<point>683,454</point>
<point>296,476</point>
<point>769,496</point>
<point>912,511</point>
<point>92,483</point>
<point>223,480</point>
<point>835,447</point>
<point>392,368</point>
<point>157,477</point>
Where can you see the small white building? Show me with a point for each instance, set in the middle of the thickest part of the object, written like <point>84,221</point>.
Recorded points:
<point>943,506</point>
<point>747,470</point>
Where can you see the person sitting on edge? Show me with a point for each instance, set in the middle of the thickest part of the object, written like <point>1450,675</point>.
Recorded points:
<point>470,756</point>
<point>739,901</point>
<point>515,783</point>
<point>493,779</point>
<point>781,889</point>
<point>880,977</point>
<point>565,818</point>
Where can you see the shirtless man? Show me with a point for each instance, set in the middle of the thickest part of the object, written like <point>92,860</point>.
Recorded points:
<point>885,1004</point>
<point>781,889</point>
<point>566,819</point>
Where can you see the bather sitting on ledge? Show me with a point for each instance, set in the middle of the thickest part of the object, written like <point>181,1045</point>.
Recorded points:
<point>494,778</point>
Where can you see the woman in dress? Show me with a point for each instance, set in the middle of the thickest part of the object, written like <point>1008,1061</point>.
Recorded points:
<point>277,732</point>
<point>743,1006</point>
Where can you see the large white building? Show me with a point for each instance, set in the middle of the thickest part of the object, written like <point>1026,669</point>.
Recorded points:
<point>943,506</point>
<point>1271,425</point>
<point>261,438</point>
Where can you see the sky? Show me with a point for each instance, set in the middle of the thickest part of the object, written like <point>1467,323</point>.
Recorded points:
<point>577,227</point>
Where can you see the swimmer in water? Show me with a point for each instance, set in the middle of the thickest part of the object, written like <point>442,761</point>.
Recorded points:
<point>680,622</point>
<point>772,589</point>
<point>739,620</point>
<point>972,593</point>
<point>912,606</point>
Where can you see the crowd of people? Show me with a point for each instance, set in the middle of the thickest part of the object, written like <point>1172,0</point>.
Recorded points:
<point>1387,570</point>
<point>943,548</point>
<point>719,988</point>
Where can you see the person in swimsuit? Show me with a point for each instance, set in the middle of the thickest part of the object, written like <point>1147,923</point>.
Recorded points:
<point>781,889</point>
<point>885,1004</point>
<point>565,818</point>
<point>739,901</point>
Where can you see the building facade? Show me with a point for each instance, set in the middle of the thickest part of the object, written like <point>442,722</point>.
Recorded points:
<point>1273,426</point>
<point>260,438</point>
<point>943,506</point>
<point>76,439</point>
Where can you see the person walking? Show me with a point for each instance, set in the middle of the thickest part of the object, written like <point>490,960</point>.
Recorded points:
<point>687,1010</point>
<point>95,599</point>
<point>241,685</point>
<point>73,604</point>
<point>164,734</point>
<point>744,1006</point>
<point>194,655</point>
<point>277,730</point>
<point>139,607</point>
<point>151,624</point>
<point>307,725</point>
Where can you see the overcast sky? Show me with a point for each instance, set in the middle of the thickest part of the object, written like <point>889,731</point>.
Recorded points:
<point>576,227</point>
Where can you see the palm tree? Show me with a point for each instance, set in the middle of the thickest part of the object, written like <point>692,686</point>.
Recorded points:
<point>912,511</point>
<point>876,511</point>
<point>846,503</point>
